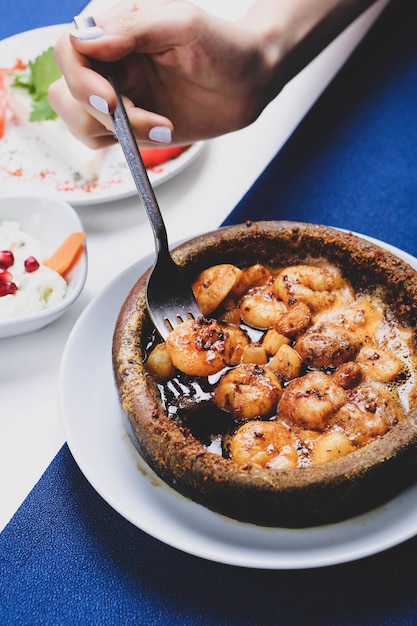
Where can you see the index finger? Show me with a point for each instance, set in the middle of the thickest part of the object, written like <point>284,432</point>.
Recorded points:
<point>81,77</point>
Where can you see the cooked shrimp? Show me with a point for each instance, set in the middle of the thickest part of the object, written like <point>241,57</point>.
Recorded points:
<point>311,400</point>
<point>260,308</point>
<point>331,445</point>
<point>204,347</point>
<point>377,364</point>
<point>361,318</point>
<point>315,285</point>
<point>213,285</point>
<point>326,345</point>
<point>248,391</point>
<point>368,413</point>
<point>252,276</point>
<point>264,444</point>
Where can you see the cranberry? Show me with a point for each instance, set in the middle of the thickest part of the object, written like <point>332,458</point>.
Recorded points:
<point>5,276</point>
<point>31,264</point>
<point>7,289</point>
<point>6,258</point>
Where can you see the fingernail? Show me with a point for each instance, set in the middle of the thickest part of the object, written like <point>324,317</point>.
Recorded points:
<point>86,28</point>
<point>99,103</point>
<point>161,134</point>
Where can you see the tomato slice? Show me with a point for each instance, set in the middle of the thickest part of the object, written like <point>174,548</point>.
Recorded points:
<point>155,156</point>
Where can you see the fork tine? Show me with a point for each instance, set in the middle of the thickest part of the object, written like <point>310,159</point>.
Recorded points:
<point>170,299</point>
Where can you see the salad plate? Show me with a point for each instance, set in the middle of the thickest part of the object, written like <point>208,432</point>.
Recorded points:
<point>97,437</point>
<point>29,166</point>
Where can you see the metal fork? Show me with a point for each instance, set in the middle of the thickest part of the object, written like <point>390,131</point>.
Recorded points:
<point>169,297</point>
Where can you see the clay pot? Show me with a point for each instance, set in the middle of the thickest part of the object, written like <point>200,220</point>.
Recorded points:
<point>300,497</point>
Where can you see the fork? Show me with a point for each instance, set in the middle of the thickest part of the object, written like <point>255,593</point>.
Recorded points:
<point>169,297</point>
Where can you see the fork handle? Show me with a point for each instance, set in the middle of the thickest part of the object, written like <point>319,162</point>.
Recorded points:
<point>127,140</point>
<point>128,143</point>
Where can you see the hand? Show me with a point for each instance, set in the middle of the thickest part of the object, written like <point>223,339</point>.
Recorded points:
<point>179,69</point>
<point>185,73</point>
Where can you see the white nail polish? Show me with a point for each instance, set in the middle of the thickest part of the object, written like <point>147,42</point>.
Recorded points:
<point>86,34</point>
<point>99,103</point>
<point>162,134</point>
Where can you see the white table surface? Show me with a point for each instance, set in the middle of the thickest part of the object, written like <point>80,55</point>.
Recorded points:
<point>118,233</point>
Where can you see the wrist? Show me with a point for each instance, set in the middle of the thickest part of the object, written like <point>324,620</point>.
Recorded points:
<point>289,34</point>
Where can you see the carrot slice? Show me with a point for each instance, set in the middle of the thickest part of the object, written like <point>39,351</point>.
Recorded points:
<point>65,257</point>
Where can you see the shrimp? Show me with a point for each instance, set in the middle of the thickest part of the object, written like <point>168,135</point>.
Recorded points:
<point>326,345</point>
<point>252,276</point>
<point>213,285</point>
<point>311,400</point>
<point>368,413</point>
<point>260,308</point>
<point>248,391</point>
<point>314,285</point>
<point>331,445</point>
<point>204,347</point>
<point>377,364</point>
<point>264,444</point>
<point>361,318</point>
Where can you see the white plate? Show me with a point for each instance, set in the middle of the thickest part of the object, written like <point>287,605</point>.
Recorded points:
<point>43,173</point>
<point>97,439</point>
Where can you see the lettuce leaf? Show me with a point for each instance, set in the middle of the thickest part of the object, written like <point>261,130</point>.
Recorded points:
<point>42,72</point>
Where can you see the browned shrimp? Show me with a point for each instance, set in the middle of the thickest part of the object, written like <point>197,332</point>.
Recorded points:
<point>204,347</point>
<point>264,444</point>
<point>252,276</point>
<point>361,318</point>
<point>248,391</point>
<point>326,345</point>
<point>378,364</point>
<point>213,285</point>
<point>260,308</point>
<point>315,285</point>
<point>311,401</point>
<point>331,445</point>
<point>368,413</point>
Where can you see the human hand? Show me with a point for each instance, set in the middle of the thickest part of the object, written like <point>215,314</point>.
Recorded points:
<point>180,69</point>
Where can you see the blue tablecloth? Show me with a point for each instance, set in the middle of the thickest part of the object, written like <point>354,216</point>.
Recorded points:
<point>352,163</point>
<point>67,558</point>
<point>21,15</point>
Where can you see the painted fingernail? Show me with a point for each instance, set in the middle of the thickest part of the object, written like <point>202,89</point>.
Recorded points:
<point>162,134</point>
<point>86,28</point>
<point>85,34</point>
<point>99,103</point>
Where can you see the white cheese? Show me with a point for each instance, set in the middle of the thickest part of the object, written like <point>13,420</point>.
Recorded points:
<point>36,290</point>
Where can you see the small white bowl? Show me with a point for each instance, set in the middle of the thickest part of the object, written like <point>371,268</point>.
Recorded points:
<point>50,221</point>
